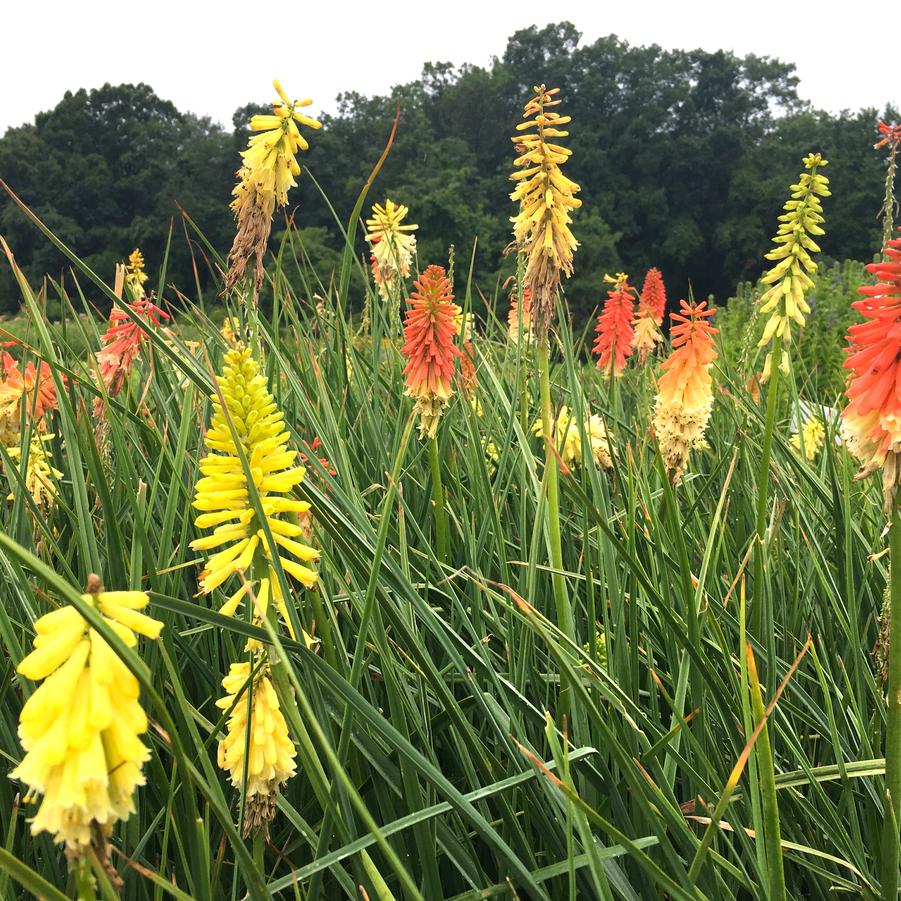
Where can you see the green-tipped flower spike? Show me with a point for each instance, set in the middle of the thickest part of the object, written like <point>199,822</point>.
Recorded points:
<point>790,277</point>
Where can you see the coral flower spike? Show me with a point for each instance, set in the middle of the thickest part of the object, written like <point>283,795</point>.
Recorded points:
<point>684,394</point>
<point>653,295</point>
<point>429,331</point>
<point>871,422</point>
<point>615,332</point>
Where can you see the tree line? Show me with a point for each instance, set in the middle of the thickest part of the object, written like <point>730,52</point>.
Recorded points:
<point>684,159</point>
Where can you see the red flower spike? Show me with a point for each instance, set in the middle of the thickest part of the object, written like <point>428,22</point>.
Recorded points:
<point>872,419</point>
<point>614,329</point>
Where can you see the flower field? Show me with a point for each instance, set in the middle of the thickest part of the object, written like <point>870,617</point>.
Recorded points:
<point>444,599</point>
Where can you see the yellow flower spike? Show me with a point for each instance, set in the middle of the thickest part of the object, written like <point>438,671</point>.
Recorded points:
<point>268,170</point>
<point>568,438</point>
<point>789,279</point>
<point>40,476</point>
<point>813,433</point>
<point>135,276</point>
<point>80,728</point>
<point>222,493</point>
<point>270,755</point>
<point>546,198</point>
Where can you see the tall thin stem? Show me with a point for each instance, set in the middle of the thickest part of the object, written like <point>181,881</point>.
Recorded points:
<point>438,499</point>
<point>766,768</point>
<point>552,477</point>
<point>761,623</point>
<point>893,731</point>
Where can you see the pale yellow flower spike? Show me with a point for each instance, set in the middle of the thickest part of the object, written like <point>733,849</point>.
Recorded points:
<point>270,759</point>
<point>546,197</point>
<point>81,727</point>
<point>569,439</point>
<point>41,478</point>
<point>790,278</point>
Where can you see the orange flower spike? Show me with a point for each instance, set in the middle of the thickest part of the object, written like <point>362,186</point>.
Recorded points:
<point>653,295</point>
<point>871,422</point>
<point>429,332</point>
<point>614,329</point>
<point>515,322</point>
<point>684,393</point>
<point>35,385</point>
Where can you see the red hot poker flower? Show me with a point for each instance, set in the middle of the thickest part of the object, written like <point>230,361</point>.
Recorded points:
<point>653,295</point>
<point>34,385</point>
<point>871,422</point>
<point>891,135</point>
<point>614,329</point>
<point>429,331</point>
<point>122,342</point>
<point>684,394</point>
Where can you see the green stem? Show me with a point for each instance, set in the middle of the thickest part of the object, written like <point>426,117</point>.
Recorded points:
<point>893,733</point>
<point>888,204</point>
<point>552,474</point>
<point>766,769</point>
<point>85,889</point>
<point>762,624</point>
<point>438,499</point>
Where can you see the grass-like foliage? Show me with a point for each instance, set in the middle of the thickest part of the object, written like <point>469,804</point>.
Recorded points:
<point>435,757</point>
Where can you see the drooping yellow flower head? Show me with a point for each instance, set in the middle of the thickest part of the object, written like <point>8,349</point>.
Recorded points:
<point>392,246</point>
<point>568,438</point>
<point>810,439</point>
<point>40,477</point>
<point>222,494</point>
<point>789,279</point>
<point>270,759</point>
<point>546,197</point>
<point>268,170</point>
<point>81,727</point>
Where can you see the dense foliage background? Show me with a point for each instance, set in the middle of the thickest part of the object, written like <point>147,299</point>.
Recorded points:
<point>680,155</point>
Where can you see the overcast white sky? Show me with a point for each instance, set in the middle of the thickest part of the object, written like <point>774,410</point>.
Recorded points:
<point>211,57</point>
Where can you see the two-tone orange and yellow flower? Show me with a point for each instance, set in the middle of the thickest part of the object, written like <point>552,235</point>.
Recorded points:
<point>546,198</point>
<point>651,306</point>
<point>684,392</point>
<point>429,332</point>
<point>392,247</point>
<point>871,422</point>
